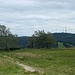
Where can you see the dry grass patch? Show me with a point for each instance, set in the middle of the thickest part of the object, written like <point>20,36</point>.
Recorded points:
<point>27,54</point>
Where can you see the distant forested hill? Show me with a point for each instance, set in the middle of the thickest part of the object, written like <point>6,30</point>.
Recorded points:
<point>23,41</point>
<point>67,39</point>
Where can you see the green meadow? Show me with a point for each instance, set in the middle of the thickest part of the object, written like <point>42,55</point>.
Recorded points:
<point>50,61</point>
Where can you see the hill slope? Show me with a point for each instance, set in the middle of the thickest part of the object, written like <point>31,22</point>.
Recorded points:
<point>23,41</point>
<point>66,38</point>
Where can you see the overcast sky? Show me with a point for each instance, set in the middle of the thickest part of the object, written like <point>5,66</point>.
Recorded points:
<point>23,17</point>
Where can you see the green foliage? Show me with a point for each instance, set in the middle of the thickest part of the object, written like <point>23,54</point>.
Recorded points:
<point>7,39</point>
<point>42,40</point>
<point>67,39</point>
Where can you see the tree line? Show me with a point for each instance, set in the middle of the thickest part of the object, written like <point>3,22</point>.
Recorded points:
<point>40,39</point>
<point>7,39</point>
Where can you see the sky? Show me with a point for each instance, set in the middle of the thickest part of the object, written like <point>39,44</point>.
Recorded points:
<point>23,17</point>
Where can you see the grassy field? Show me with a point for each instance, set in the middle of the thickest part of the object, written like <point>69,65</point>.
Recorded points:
<point>50,61</point>
<point>60,45</point>
<point>8,68</point>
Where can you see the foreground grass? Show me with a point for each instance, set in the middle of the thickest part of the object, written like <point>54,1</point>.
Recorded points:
<point>8,68</point>
<point>51,61</point>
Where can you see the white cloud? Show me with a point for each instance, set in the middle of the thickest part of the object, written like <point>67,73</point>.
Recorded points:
<point>26,16</point>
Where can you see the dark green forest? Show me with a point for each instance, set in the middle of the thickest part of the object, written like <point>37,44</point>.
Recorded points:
<point>67,39</point>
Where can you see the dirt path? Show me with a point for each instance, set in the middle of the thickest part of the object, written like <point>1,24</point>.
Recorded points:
<point>27,68</point>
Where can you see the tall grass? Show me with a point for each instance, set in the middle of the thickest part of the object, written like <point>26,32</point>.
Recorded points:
<point>51,61</point>
<point>7,67</point>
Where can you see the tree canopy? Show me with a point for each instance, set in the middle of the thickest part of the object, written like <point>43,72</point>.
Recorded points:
<point>40,39</point>
<point>7,39</point>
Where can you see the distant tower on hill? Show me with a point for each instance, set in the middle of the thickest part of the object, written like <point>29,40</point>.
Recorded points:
<point>65,29</point>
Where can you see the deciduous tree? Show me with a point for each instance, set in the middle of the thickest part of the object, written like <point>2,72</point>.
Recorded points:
<point>7,39</point>
<point>40,39</point>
